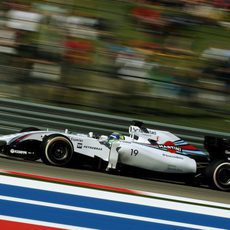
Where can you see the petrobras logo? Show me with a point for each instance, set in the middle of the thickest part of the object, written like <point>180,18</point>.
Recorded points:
<point>92,147</point>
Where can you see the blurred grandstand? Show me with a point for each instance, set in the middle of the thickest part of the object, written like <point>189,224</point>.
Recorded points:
<point>159,60</point>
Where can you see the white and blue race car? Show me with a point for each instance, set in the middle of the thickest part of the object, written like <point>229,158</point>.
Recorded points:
<point>144,149</point>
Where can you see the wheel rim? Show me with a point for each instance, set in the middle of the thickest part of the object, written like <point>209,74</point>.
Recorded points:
<point>222,176</point>
<point>59,153</point>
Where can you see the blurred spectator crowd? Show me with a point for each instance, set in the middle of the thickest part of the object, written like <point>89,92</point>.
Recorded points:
<point>61,44</point>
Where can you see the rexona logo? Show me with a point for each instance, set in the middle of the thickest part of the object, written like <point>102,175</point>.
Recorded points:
<point>91,147</point>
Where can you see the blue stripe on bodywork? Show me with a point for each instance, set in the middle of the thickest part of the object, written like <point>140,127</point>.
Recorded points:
<point>181,142</point>
<point>194,152</point>
<point>111,206</point>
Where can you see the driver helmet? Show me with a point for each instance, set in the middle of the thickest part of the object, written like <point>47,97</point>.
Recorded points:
<point>116,136</point>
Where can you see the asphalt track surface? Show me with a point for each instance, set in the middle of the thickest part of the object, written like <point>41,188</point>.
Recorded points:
<point>163,187</point>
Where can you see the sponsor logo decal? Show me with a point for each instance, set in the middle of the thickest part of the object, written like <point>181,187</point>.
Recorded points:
<point>172,156</point>
<point>76,139</point>
<point>92,147</point>
<point>170,148</point>
<point>79,145</point>
<point>152,132</point>
<point>17,151</point>
<point>22,152</point>
<point>173,168</point>
<point>139,130</point>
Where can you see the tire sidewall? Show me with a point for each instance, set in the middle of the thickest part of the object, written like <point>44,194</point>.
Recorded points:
<point>48,142</point>
<point>212,174</point>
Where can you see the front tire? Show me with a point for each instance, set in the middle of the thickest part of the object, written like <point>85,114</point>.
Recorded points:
<point>218,175</point>
<point>57,150</point>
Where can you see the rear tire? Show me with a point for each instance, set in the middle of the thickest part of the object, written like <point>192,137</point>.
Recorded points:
<point>218,175</point>
<point>57,150</point>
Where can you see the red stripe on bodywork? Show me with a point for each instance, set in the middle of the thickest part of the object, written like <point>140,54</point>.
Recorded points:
<point>69,182</point>
<point>188,147</point>
<point>12,225</point>
<point>22,137</point>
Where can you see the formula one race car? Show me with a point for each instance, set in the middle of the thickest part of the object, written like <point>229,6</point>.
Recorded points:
<point>144,149</point>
